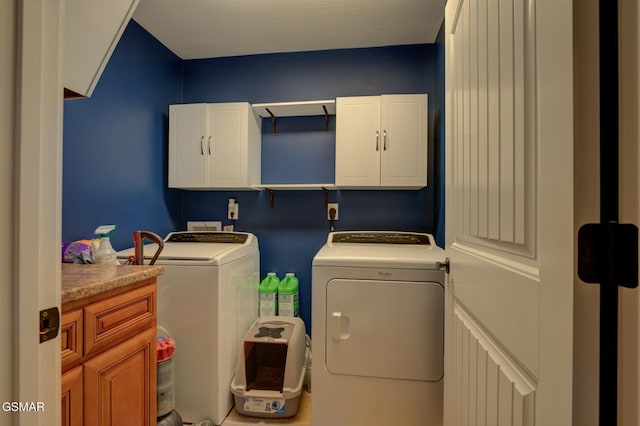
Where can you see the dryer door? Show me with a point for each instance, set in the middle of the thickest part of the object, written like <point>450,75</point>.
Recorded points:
<point>388,329</point>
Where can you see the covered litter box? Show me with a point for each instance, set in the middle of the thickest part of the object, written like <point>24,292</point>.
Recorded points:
<point>271,368</point>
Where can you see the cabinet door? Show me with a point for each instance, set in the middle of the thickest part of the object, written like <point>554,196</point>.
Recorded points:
<point>188,146</point>
<point>358,141</point>
<point>227,145</point>
<point>72,397</point>
<point>403,161</point>
<point>71,337</point>
<point>120,384</point>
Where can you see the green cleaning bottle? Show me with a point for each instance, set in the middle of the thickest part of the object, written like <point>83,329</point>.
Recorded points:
<point>289,305</point>
<point>269,295</point>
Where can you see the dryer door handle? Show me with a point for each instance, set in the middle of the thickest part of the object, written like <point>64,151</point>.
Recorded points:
<point>339,326</point>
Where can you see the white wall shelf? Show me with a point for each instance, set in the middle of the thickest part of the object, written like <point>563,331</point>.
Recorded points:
<point>294,186</point>
<point>296,109</point>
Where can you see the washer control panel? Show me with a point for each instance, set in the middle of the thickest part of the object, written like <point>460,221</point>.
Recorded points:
<point>207,237</point>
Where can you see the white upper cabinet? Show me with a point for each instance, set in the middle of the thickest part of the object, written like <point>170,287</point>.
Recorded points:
<point>381,141</point>
<point>214,146</point>
<point>92,30</point>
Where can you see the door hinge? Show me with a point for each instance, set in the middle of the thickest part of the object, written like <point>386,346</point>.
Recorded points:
<point>443,266</point>
<point>49,324</point>
<point>608,253</point>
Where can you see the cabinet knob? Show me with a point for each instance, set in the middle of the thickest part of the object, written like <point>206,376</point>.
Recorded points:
<point>201,146</point>
<point>377,140</point>
<point>384,138</point>
<point>209,145</point>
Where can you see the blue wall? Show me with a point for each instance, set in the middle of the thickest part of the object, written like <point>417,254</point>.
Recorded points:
<point>115,147</point>
<point>293,230</point>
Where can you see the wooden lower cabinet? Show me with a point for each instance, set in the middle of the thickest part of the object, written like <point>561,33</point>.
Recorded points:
<point>120,384</point>
<point>72,396</point>
<point>109,360</point>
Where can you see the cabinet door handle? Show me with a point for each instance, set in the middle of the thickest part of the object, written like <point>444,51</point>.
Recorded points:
<point>384,138</point>
<point>377,140</point>
<point>209,145</point>
<point>201,147</point>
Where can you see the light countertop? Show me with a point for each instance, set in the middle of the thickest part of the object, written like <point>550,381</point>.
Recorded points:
<point>82,281</point>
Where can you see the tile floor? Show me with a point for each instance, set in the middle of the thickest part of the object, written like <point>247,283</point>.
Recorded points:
<point>302,417</point>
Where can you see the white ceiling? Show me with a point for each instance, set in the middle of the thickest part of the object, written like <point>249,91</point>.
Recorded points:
<point>195,29</point>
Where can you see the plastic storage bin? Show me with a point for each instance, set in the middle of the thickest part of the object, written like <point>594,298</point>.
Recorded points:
<point>271,368</point>
<point>165,383</point>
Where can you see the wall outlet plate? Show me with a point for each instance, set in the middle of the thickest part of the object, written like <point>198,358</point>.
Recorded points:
<point>332,206</point>
<point>233,210</point>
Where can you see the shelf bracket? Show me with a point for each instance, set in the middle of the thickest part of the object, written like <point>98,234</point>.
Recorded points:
<point>326,119</point>
<point>271,194</point>
<point>273,121</point>
<point>326,197</point>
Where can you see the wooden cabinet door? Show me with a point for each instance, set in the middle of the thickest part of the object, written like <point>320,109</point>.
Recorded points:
<point>188,146</point>
<point>120,384</point>
<point>358,141</point>
<point>403,155</point>
<point>72,397</point>
<point>71,337</point>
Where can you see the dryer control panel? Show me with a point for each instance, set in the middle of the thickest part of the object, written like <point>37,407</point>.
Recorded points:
<point>381,237</point>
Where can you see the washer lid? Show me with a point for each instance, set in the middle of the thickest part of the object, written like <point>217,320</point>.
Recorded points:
<point>380,249</point>
<point>206,248</point>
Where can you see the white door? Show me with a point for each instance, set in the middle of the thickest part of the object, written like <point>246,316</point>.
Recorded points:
<point>403,150</point>
<point>36,201</point>
<point>509,204</point>
<point>188,146</point>
<point>358,141</point>
<point>8,33</point>
<point>227,145</point>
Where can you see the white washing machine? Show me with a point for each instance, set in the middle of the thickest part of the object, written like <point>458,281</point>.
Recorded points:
<point>377,329</point>
<point>208,299</point>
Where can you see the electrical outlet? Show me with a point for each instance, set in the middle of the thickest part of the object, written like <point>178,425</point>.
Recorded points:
<point>232,209</point>
<point>332,208</point>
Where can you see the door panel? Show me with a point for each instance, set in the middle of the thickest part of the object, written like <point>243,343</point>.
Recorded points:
<point>187,133</point>
<point>35,203</point>
<point>368,320</point>
<point>227,148</point>
<point>512,241</point>
<point>497,394</point>
<point>72,405</point>
<point>509,212</point>
<point>403,155</point>
<point>119,385</point>
<point>358,141</point>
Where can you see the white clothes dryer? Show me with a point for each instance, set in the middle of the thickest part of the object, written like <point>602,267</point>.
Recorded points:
<point>208,299</point>
<point>377,330</point>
